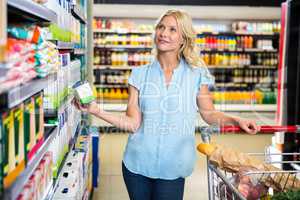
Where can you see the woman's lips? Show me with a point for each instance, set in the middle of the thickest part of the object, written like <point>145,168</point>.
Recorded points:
<point>162,41</point>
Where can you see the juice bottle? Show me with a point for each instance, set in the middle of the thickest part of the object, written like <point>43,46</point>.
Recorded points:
<point>212,59</point>
<point>238,42</point>
<point>250,42</point>
<point>231,60</point>
<point>222,43</point>
<point>98,23</point>
<point>246,42</point>
<point>215,44</point>
<point>105,93</point>
<point>118,94</point>
<point>206,58</point>
<point>113,59</point>
<point>242,42</point>
<point>108,56</point>
<point>217,60</point>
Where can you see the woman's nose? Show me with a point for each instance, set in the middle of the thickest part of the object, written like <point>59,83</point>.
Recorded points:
<point>163,33</point>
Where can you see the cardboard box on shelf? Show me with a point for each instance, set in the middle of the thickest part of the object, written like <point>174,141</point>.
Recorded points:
<point>1,155</point>
<point>14,158</point>
<point>39,116</point>
<point>2,29</point>
<point>29,128</point>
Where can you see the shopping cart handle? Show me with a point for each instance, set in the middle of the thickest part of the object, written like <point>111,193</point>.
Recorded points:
<point>263,129</point>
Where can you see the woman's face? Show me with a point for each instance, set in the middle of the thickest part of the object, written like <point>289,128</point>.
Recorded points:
<point>168,37</point>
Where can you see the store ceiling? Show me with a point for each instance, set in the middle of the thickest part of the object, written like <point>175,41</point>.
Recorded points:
<point>198,2</point>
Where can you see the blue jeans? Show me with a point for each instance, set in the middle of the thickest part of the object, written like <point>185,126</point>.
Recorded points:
<point>143,188</point>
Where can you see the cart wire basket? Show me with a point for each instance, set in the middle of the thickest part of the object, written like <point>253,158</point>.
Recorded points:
<point>250,184</point>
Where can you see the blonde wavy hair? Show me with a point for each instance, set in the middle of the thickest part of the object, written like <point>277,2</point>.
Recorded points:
<point>189,50</point>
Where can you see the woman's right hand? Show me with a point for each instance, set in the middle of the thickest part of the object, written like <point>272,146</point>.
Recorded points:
<point>92,107</point>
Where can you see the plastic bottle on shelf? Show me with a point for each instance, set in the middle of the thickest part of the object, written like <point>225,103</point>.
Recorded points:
<point>142,58</point>
<point>120,58</point>
<point>206,58</point>
<point>250,42</point>
<point>134,59</point>
<point>97,58</point>
<point>113,59</point>
<point>125,58</point>
<point>118,93</point>
<point>130,58</point>
<point>238,42</point>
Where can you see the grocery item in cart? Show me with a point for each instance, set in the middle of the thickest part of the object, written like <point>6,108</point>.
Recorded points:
<point>234,161</point>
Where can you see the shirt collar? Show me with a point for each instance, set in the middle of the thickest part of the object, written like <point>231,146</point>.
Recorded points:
<point>179,68</point>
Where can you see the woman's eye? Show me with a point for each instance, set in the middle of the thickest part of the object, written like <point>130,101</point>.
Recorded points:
<point>173,29</point>
<point>160,26</point>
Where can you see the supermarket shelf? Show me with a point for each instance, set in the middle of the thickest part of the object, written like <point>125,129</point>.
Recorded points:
<point>64,45</point>
<point>125,31</point>
<point>241,67</point>
<point>32,10</point>
<point>222,107</point>
<point>260,34</point>
<point>247,107</point>
<point>126,67</point>
<point>97,67</point>
<point>122,46</point>
<point>122,31</point>
<point>55,183</point>
<point>111,86</point>
<point>16,95</point>
<point>112,101</point>
<point>51,113</point>
<point>252,50</point>
<point>79,51</point>
<point>79,14</point>
<point>15,189</point>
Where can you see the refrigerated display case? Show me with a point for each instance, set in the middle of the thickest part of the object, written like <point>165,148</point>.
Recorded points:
<point>288,112</point>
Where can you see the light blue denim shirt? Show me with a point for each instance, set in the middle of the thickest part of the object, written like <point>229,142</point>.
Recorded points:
<point>164,145</point>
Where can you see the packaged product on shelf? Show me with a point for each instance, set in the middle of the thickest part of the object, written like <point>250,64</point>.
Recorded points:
<point>71,183</point>
<point>7,126</point>
<point>20,65</point>
<point>39,118</point>
<point>74,72</point>
<point>3,22</point>
<point>13,163</point>
<point>29,33</point>
<point>1,155</point>
<point>256,28</point>
<point>47,57</point>
<point>51,96</point>
<point>30,128</point>
<point>95,157</point>
<point>19,136</point>
<point>39,181</point>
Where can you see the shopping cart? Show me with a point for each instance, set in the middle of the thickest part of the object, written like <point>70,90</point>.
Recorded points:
<point>223,184</point>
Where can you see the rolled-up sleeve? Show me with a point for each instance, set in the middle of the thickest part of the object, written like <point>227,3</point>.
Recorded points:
<point>205,78</point>
<point>135,78</point>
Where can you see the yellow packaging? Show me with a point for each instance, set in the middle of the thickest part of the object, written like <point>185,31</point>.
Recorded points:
<point>19,134</point>
<point>39,117</point>
<point>13,123</point>
<point>29,127</point>
<point>3,21</point>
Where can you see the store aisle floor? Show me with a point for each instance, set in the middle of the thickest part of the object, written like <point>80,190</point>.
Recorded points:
<point>111,150</point>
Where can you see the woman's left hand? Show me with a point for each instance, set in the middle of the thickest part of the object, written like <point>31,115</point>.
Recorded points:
<point>249,126</point>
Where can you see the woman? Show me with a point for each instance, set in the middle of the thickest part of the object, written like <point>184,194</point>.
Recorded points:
<point>164,97</point>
